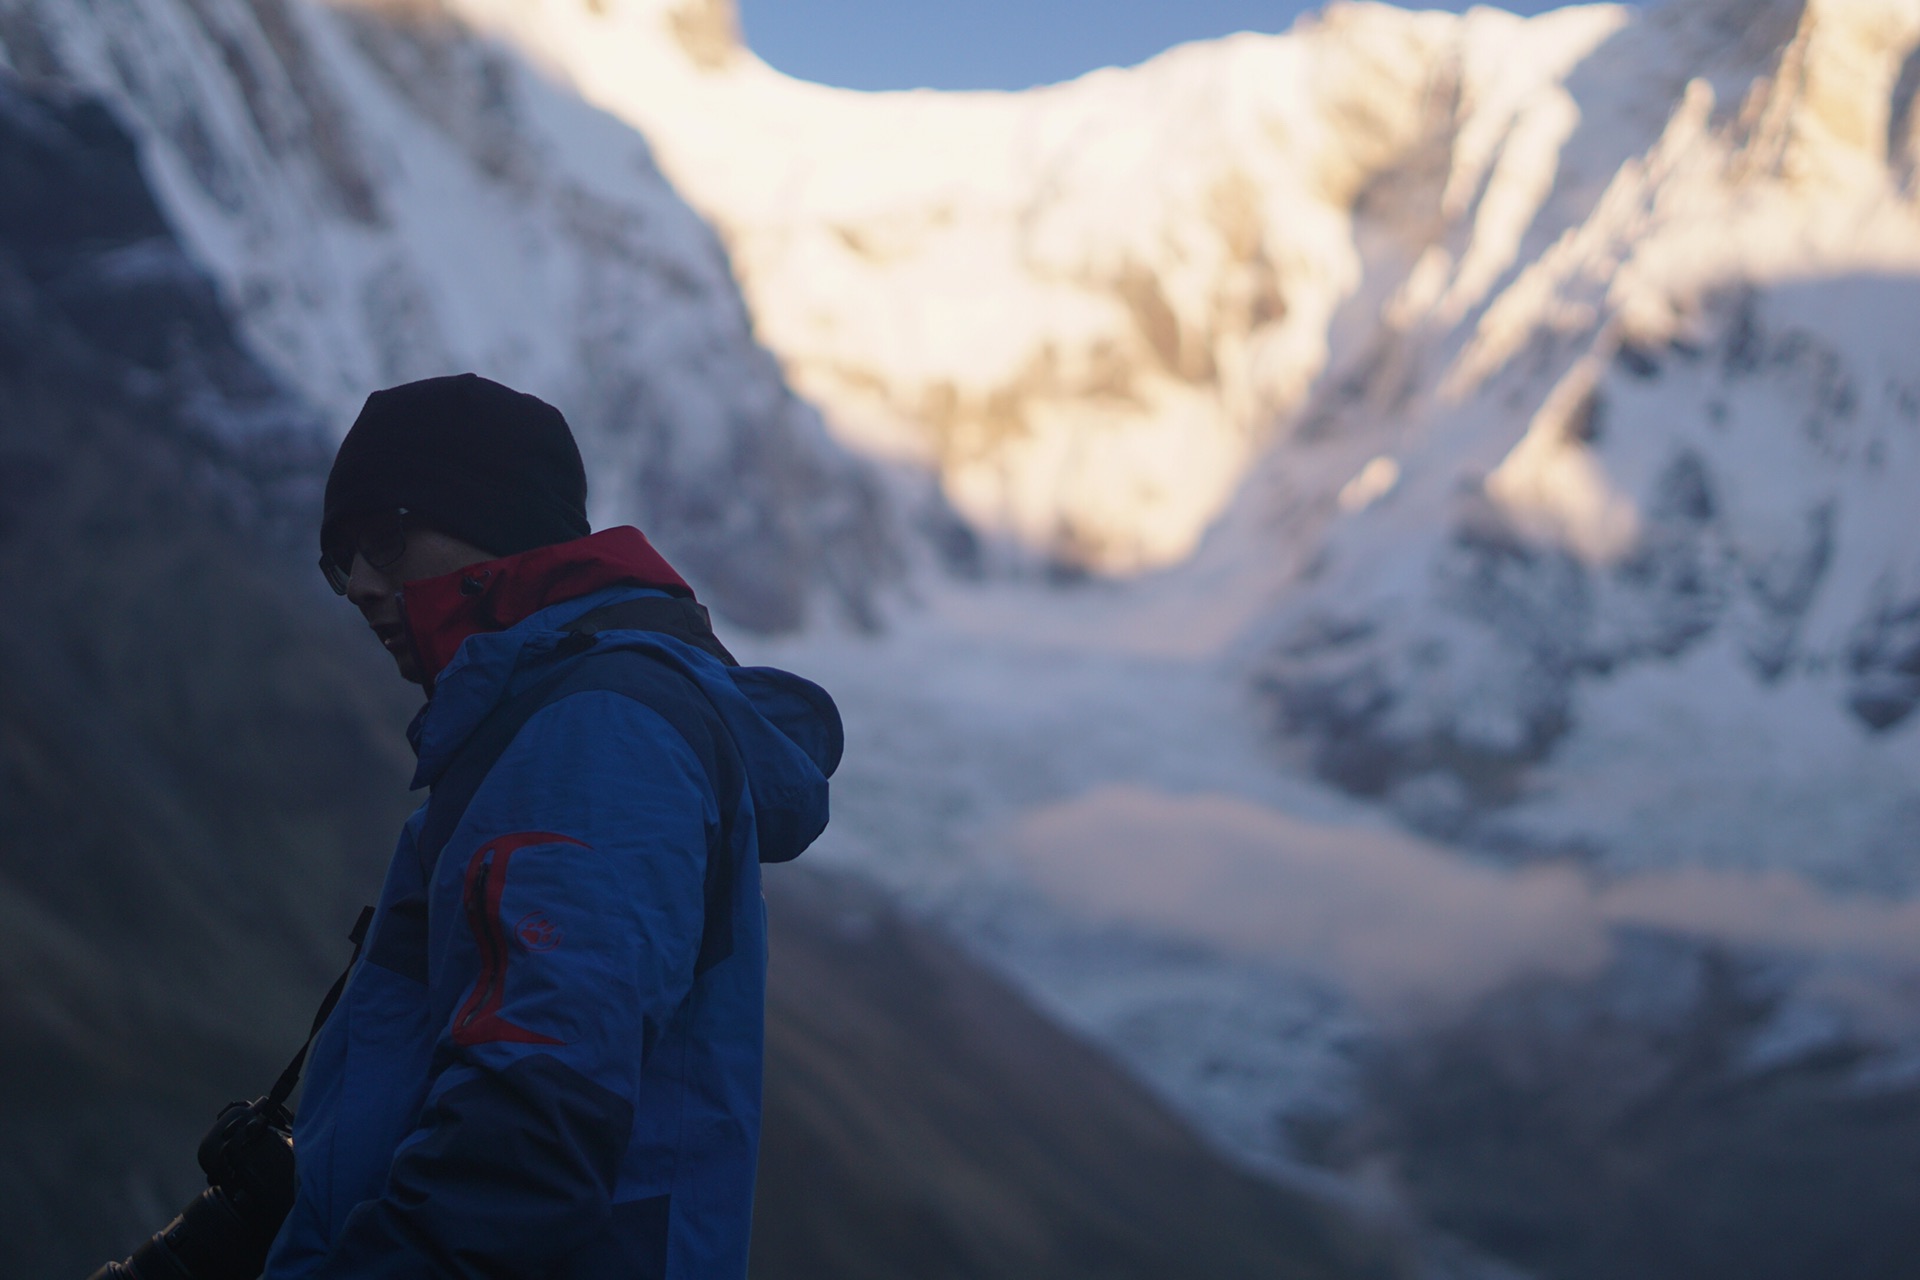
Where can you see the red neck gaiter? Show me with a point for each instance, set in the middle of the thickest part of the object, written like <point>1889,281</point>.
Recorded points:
<point>442,612</point>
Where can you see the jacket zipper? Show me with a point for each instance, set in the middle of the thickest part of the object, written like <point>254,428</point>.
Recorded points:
<point>492,948</point>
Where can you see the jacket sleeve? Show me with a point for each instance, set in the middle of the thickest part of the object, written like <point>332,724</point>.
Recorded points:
<point>576,882</point>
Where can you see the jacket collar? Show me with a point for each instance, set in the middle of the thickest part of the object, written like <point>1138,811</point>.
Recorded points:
<point>441,613</point>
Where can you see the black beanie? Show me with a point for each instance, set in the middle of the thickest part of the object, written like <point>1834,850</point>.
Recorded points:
<point>485,463</point>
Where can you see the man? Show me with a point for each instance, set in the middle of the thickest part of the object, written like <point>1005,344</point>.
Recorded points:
<point>547,1061</point>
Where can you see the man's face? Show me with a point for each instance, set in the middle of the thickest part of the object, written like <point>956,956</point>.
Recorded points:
<point>428,553</point>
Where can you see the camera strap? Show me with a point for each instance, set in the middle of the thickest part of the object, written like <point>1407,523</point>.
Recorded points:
<point>283,1087</point>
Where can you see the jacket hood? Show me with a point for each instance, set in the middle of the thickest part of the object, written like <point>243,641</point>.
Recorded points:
<point>787,729</point>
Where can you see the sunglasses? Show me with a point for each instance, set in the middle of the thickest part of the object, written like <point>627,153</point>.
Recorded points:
<point>379,540</point>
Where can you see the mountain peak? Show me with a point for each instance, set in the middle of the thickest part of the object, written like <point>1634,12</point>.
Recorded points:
<point>1836,104</point>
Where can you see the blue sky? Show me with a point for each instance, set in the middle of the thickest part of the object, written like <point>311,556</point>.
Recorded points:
<point>993,44</point>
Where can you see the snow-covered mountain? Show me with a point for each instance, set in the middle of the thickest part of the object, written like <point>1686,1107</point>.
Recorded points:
<point>1523,413</point>
<point>1541,381</point>
<point>1549,370</point>
<point>1492,443</point>
<point>383,198</point>
<point>1085,305</point>
<point>1554,371</point>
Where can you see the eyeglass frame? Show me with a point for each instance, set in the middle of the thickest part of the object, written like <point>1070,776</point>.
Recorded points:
<point>382,554</point>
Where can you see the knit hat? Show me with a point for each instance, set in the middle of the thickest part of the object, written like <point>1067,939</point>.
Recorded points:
<point>485,463</point>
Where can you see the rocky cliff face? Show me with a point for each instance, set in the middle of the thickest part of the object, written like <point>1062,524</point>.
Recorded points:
<point>384,197</point>
<point>1646,544</point>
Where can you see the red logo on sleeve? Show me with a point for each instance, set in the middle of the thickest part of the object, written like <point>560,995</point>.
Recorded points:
<point>479,1020</point>
<point>537,932</point>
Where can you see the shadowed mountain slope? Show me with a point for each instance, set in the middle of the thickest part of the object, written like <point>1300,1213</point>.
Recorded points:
<point>372,214</point>
<point>201,767</point>
<point>917,1103</point>
<point>1719,1130</point>
<point>190,739</point>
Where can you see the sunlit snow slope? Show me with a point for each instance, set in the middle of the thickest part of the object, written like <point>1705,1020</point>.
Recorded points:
<point>1551,375</point>
<point>1085,305</point>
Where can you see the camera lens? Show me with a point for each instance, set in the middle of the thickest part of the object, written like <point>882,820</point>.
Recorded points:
<point>225,1232</point>
<point>197,1245</point>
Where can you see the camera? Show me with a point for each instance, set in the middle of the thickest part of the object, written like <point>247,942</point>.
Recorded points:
<point>225,1232</point>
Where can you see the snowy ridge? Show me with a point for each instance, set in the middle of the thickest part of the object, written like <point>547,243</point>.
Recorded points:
<point>396,200</point>
<point>1084,305</point>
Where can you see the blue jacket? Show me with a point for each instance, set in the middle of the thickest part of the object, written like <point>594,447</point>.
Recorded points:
<point>534,1069</point>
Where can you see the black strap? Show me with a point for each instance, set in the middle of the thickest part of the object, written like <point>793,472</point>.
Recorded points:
<point>283,1087</point>
<point>676,616</point>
